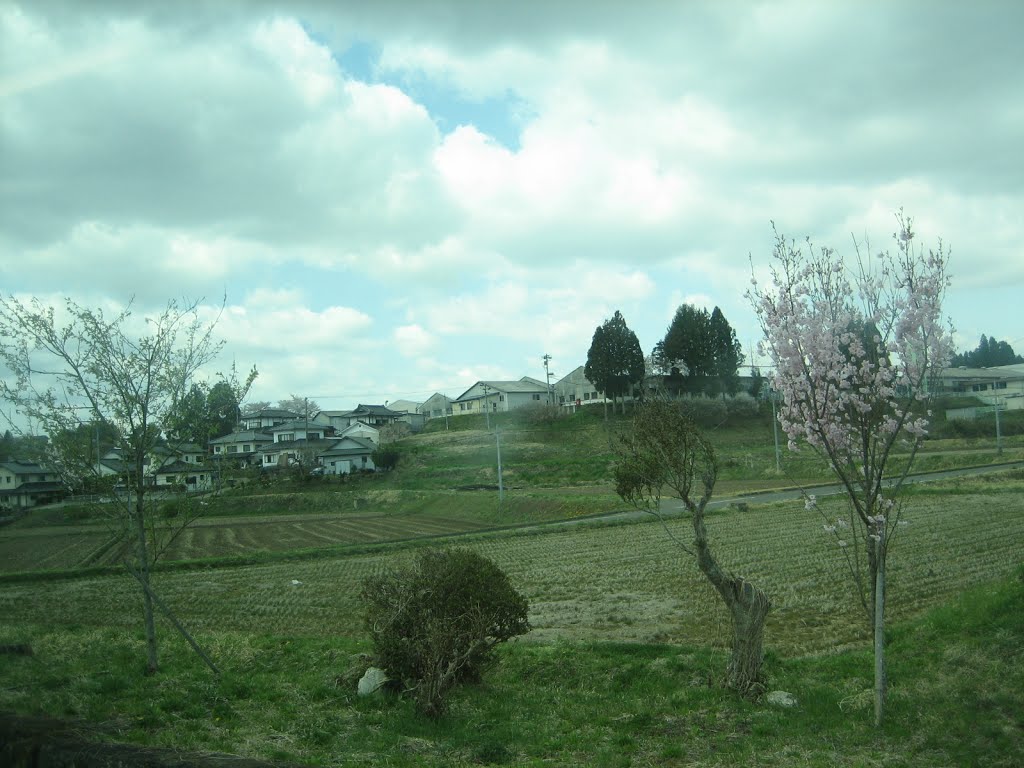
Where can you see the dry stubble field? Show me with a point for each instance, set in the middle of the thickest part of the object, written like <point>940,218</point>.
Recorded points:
<point>622,582</point>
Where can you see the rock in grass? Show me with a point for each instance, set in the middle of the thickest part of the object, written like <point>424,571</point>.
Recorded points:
<point>781,699</point>
<point>372,681</point>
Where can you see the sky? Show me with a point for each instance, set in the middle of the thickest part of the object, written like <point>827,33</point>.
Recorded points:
<point>392,199</point>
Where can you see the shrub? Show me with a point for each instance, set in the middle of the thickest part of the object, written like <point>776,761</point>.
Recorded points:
<point>436,624</point>
<point>386,457</point>
<point>705,412</point>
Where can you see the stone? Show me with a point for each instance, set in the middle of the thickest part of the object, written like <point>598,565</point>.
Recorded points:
<point>372,681</point>
<point>780,699</point>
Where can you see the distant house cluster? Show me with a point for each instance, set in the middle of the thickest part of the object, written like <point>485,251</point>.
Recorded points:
<point>343,442</point>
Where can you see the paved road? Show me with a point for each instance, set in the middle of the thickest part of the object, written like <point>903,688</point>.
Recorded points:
<point>768,497</point>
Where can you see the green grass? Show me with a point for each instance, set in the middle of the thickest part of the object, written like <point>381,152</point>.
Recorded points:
<point>956,698</point>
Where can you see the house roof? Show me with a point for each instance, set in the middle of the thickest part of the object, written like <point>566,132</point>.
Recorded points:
<point>33,487</point>
<point>272,413</point>
<point>176,450</point>
<point>180,468</point>
<point>361,446</point>
<point>373,410</point>
<point>248,436</point>
<point>300,424</point>
<point>24,467</point>
<point>299,445</point>
<point>997,373</point>
<point>404,406</point>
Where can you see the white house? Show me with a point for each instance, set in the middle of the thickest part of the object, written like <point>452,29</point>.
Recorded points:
<point>268,417</point>
<point>180,474</point>
<point>500,396</point>
<point>1003,384</point>
<point>437,406</point>
<point>362,431</point>
<point>25,484</point>
<point>301,429</point>
<point>576,389</point>
<point>240,445</point>
<point>350,454</point>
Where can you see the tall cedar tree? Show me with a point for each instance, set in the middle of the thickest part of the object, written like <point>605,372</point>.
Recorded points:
<point>615,362</point>
<point>703,344</point>
<point>687,344</point>
<point>728,355</point>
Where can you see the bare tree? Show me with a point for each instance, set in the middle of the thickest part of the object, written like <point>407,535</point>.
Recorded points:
<point>665,451</point>
<point>74,365</point>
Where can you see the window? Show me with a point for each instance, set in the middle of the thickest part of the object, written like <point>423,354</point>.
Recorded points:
<point>593,395</point>
<point>536,397</point>
<point>232,449</point>
<point>246,448</point>
<point>1000,385</point>
<point>586,395</point>
<point>313,435</point>
<point>285,437</point>
<point>501,397</point>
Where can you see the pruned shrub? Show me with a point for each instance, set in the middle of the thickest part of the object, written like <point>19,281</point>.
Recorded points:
<point>436,624</point>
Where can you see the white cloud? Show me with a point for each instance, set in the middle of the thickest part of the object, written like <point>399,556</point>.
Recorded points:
<point>240,149</point>
<point>412,340</point>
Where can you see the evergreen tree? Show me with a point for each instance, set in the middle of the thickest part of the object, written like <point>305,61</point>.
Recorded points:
<point>988,354</point>
<point>615,362</point>
<point>728,355</point>
<point>687,344</point>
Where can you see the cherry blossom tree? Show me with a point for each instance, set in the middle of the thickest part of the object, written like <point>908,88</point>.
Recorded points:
<point>855,352</point>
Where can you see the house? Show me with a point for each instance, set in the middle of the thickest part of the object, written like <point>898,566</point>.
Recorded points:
<point>437,406</point>
<point>168,453</point>
<point>1003,384</point>
<point>350,454</point>
<point>500,396</point>
<point>289,431</point>
<point>404,406</point>
<point>268,417</point>
<point>363,431</point>
<point>410,414</point>
<point>182,475</point>
<point>25,484</point>
<point>576,389</point>
<point>240,445</point>
<point>374,415</point>
<point>288,453</point>
<point>115,462</point>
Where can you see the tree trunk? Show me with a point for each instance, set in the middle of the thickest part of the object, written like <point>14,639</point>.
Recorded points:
<point>142,552</point>
<point>881,683</point>
<point>749,611</point>
<point>748,605</point>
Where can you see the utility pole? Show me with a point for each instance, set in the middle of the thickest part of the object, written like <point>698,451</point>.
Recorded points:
<point>547,377</point>
<point>999,433</point>
<point>487,407</point>
<point>501,486</point>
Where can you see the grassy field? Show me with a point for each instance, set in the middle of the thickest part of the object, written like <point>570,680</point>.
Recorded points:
<point>628,640</point>
<point>620,669</point>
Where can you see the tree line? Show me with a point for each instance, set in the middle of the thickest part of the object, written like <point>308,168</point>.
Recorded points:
<point>699,355</point>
